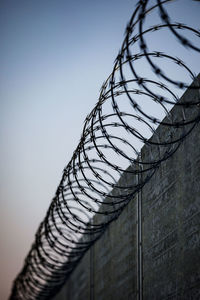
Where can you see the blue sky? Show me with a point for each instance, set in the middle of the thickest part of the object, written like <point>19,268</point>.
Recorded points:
<point>54,57</point>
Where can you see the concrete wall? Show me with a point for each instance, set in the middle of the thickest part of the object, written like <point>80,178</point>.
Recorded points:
<point>152,251</point>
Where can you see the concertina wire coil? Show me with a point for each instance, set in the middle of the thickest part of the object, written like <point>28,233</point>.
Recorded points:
<point>90,194</point>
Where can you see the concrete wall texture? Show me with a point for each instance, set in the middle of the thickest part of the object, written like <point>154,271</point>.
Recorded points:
<point>152,251</point>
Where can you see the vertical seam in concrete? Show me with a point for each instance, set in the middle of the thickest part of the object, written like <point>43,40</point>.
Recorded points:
<point>139,242</point>
<point>92,272</point>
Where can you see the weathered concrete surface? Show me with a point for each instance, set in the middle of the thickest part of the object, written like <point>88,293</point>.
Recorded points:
<point>171,221</point>
<point>170,217</point>
<point>78,287</point>
<point>115,259</point>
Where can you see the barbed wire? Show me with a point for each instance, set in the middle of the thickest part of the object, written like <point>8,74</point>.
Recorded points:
<point>91,193</point>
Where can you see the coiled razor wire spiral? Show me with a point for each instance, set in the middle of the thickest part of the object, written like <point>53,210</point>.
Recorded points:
<point>130,107</point>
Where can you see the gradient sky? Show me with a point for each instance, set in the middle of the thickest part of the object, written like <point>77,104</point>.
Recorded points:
<point>54,57</point>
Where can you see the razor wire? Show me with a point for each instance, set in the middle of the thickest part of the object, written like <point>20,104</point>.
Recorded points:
<point>129,109</point>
